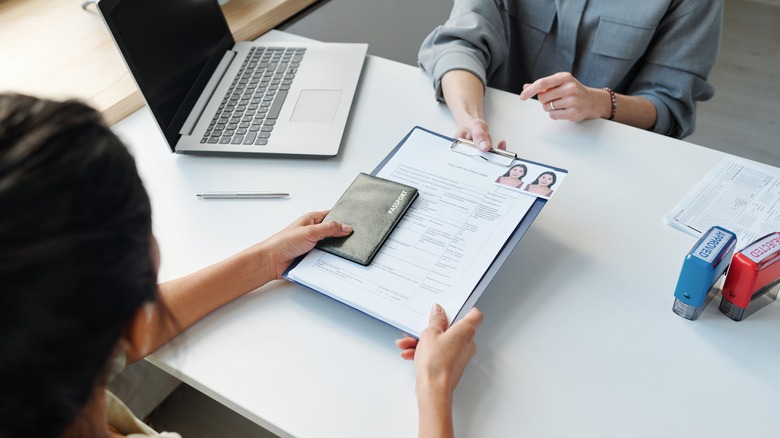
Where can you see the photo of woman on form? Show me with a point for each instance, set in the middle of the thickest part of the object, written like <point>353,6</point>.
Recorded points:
<point>542,185</point>
<point>514,176</point>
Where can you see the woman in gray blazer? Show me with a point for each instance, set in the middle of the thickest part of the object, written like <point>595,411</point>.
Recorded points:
<point>641,63</point>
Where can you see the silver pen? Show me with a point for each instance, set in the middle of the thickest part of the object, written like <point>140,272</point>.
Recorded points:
<point>241,195</point>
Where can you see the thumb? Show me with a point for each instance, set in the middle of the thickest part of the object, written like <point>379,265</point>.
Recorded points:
<point>482,139</point>
<point>437,319</point>
<point>329,229</point>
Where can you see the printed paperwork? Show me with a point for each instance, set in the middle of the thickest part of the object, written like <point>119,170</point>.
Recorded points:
<point>738,195</point>
<point>450,243</point>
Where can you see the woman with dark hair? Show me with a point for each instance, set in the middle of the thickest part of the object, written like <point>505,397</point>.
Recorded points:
<point>78,269</point>
<point>514,176</point>
<point>542,185</point>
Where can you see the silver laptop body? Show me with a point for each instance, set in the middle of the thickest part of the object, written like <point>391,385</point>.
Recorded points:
<point>194,79</point>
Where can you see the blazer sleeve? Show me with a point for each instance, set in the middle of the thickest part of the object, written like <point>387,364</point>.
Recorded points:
<point>673,74</point>
<point>472,39</point>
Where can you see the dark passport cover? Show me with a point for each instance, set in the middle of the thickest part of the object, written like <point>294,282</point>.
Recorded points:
<point>373,206</point>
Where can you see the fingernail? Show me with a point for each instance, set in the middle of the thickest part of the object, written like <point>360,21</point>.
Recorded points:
<point>484,145</point>
<point>346,228</point>
<point>436,309</point>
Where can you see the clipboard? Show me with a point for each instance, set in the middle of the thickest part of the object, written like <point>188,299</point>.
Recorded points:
<point>501,160</point>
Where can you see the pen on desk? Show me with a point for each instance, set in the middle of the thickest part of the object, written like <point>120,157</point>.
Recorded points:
<point>241,195</point>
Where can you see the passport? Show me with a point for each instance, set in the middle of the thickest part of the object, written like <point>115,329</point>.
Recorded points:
<point>373,206</point>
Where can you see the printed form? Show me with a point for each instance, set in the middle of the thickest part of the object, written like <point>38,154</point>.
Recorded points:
<point>737,195</point>
<point>441,248</point>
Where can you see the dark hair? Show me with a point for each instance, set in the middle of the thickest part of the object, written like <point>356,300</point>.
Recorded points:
<point>75,262</point>
<point>554,178</point>
<point>525,170</point>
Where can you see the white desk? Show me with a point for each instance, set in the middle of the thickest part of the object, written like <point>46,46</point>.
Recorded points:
<point>579,337</point>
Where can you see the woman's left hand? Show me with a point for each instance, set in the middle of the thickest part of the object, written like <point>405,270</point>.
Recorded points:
<point>299,238</point>
<point>565,98</point>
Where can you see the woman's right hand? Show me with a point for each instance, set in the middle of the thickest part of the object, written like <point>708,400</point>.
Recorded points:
<point>442,353</point>
<point>463,93</point>
<point>440,357</point>
<point>476,130</point>
<point>297,239</point>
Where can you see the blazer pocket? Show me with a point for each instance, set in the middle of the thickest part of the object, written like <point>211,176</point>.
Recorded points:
<point>622,40</point>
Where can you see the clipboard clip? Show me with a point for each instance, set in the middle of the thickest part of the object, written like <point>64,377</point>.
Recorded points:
<point>499,157</point>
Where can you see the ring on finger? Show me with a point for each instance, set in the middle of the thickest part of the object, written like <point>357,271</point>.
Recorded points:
<point>552,105</point>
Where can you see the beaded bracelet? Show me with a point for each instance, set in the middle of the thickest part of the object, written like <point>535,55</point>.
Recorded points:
<point>613,98</point>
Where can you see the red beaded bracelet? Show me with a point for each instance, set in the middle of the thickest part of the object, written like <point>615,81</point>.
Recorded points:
<point>613,98</point>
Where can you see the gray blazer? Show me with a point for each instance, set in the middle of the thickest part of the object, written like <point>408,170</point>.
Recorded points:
<point>662,50</point>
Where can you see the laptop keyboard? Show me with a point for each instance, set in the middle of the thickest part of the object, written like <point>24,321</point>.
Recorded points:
<point>247,115</point>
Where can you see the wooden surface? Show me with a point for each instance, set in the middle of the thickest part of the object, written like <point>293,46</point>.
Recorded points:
<point>54,48</point>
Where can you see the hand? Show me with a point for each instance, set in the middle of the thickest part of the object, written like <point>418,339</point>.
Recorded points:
<point>299,238</point>
<point>441,354</point>
<point>565,98</point>
<point>463,93</point>
<point>476,130</point>
<point>440,357</point>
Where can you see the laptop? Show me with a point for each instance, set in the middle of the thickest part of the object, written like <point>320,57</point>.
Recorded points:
<point>211,95</point>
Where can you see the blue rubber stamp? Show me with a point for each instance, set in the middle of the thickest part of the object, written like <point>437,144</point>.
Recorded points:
<point>703,267</point>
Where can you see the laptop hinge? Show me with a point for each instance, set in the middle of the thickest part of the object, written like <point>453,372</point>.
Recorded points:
<point>208,91</point>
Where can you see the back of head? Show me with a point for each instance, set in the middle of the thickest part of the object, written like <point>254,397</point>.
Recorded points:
<point>75,265</point>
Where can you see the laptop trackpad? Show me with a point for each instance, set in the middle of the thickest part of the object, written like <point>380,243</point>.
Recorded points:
<point>316,106</point>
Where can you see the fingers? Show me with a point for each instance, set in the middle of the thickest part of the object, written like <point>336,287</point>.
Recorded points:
<point>408,346</point>
<point>563,97</point>
<point>565,114</point>
<point>329,229</point>
<point>438,321</point>
<point>467,327</point>
<point>311,218</point>
<point>474,317</point>
<point>481,138</point>
<point>476,130</point>
<point>471,321</point>
<point>406,343</point>
<point>543,84</point>
<point>558,98</point>
<point>552,104</point>
<point>564,108</point>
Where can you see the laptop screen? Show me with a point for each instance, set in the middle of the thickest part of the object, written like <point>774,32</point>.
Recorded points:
<point>172,48</point>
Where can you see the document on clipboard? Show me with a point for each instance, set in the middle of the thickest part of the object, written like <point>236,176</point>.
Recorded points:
<point>473,208</point>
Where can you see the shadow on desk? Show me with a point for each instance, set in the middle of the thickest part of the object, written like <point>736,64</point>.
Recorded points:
<point>518,291</point>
